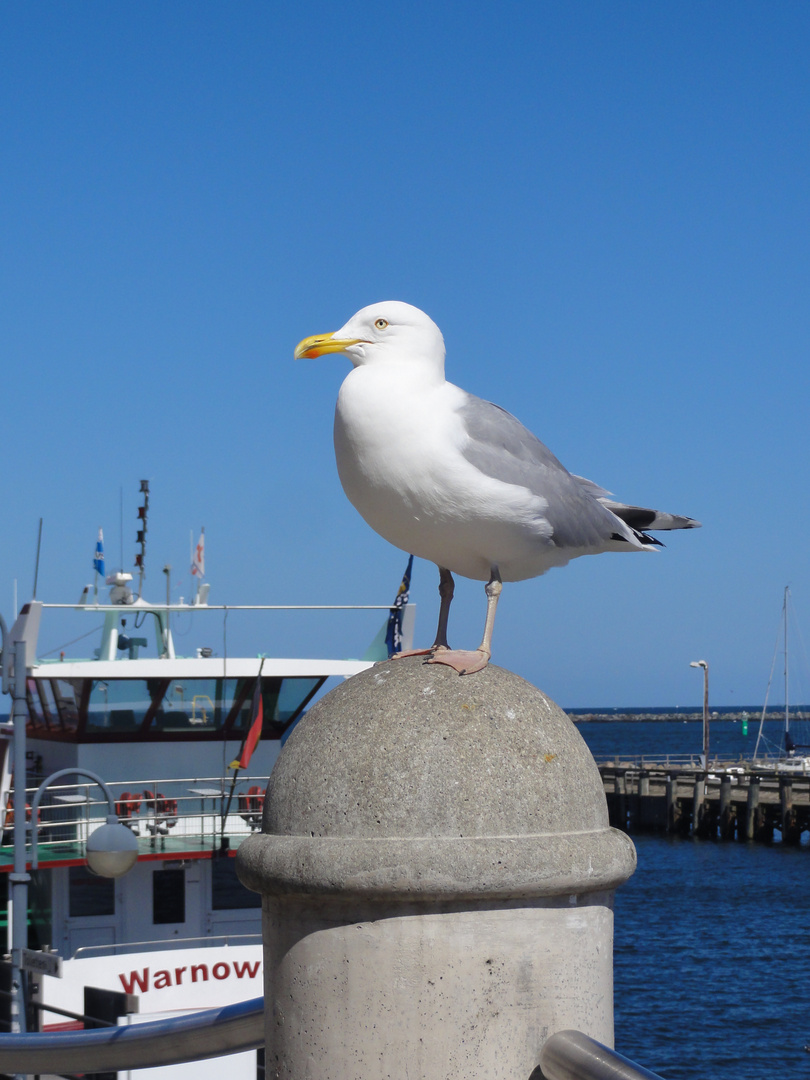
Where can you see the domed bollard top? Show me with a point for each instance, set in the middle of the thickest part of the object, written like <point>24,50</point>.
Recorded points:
<point>437,871</point>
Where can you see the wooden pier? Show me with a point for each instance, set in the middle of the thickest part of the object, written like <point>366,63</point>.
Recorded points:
<point>731,801</point>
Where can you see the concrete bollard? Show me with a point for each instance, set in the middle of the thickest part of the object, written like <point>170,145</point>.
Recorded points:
<point>437,874</point>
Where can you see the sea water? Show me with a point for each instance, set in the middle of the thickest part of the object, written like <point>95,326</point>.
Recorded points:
<point>728,740</point>
<point>712,941</point>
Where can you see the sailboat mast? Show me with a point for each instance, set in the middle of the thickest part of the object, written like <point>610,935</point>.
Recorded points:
<point>787,706</point>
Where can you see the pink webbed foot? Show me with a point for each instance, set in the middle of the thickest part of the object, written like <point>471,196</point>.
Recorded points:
<point>464,661</point>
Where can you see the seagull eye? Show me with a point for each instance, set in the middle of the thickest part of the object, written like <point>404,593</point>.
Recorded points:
<point>381,324</point>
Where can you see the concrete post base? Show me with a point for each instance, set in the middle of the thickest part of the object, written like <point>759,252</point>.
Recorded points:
<point>437,874</point>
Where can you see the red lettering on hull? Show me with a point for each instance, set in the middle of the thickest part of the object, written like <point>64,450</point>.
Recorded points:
<point>140,981</point>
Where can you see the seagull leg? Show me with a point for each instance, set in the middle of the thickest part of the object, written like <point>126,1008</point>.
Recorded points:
<point>446,589</point>
<point>466,661</point>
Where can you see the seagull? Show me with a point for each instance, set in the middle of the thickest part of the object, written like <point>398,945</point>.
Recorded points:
<point>456,480</point>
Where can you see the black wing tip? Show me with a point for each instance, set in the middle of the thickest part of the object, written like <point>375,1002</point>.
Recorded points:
<point>642,537</point>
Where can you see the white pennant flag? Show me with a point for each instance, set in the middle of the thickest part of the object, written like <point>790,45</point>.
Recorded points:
<point>198,565</point>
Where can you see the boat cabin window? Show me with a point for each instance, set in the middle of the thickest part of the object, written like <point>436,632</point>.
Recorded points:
<point>227,891</point>
<point>169,896</point>
<point>89,894</point>
<point>121,710</point>
<point>195,704</point>
<point>116,705</point>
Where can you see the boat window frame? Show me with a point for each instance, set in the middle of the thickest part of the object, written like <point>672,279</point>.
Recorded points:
<point>63,729</point>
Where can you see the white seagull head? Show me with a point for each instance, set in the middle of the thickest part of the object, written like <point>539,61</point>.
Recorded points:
<point>390,330</point>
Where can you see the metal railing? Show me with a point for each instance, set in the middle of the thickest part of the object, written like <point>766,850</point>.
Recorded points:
<point>566,1055</point>
<point>211,1033</point>
<point>691,763</point>
<point>646,761</point>
<point>121,948</point>
<point>152,808</point>
<point>572,1055</point>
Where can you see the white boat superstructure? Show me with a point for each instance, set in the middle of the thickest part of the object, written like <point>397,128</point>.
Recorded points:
<point>178,932</point>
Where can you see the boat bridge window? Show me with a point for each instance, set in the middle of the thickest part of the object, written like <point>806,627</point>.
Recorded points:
<point>195,704</point>
<point>116,704</point>
<point>121,710</point>
<point>89,894</point>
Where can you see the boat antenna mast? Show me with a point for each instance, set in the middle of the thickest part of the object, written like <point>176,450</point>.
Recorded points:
<point>141,537</point>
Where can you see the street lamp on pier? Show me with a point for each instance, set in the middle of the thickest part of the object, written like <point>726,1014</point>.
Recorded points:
<point>705,666</point>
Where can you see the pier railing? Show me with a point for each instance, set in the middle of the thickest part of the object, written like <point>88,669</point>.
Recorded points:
<point>646,761</point>
<point>694,763</point>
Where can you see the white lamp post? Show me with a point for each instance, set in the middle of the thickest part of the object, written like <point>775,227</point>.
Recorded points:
<point>111,850</point>
<point>705,666</point>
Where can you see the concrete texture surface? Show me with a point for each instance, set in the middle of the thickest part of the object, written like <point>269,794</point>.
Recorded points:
<point>437,872</point>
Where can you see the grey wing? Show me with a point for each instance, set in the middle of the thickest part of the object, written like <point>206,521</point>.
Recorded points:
<point>501,447</point>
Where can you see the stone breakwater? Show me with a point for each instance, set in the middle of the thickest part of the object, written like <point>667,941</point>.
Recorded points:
<point>637,716</point>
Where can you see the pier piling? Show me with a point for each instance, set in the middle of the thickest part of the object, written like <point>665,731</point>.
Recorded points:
<point>752,809</point>
<point>728,814</point>
<point>727,802</point>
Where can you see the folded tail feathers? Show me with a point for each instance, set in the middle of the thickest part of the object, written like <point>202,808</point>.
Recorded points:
<point>641,519</point>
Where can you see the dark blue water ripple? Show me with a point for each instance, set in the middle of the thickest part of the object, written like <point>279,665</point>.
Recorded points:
<point>711,960</point>
<point>712,940</point>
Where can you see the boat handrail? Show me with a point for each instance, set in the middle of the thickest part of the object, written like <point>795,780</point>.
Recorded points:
<point>572,1055</point>
<point>213,941</point>
<point>188,810</point>
<point>141,607</point>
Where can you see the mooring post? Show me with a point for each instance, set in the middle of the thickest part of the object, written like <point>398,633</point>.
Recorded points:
<point>752,809</point>
<point>437,874</point>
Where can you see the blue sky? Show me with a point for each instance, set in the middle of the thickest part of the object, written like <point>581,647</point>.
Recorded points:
<point>604,206</point>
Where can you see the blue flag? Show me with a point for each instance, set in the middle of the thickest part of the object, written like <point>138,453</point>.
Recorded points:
<point>393,633</point>
<point>98,561</point>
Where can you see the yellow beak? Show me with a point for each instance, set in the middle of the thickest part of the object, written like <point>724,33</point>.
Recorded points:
<point>320,344</point>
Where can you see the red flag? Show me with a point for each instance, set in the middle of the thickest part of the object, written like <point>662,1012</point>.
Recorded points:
<point>255,729</point>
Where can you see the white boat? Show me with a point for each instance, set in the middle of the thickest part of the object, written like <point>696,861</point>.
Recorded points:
<point>178,932</point>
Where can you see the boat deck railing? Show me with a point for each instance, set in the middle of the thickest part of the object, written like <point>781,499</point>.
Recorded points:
<point>210,941</point>
<point>192,815</point>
